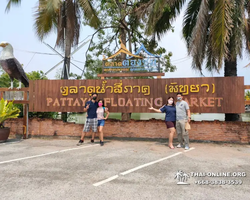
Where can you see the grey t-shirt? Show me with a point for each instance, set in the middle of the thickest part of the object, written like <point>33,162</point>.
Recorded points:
<point>181,110</point>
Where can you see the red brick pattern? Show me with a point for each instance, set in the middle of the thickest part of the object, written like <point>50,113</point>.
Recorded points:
<point>238,132</point>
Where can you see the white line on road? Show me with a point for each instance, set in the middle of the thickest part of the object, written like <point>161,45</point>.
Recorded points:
<point>150,163</point>
<point>139,167</point>
<point>106,180</point>
<point>46,154</point>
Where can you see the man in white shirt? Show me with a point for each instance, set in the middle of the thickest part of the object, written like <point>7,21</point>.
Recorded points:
<point>182,117</point>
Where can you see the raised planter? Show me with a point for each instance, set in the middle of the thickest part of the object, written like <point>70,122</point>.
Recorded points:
<point>4,134</point>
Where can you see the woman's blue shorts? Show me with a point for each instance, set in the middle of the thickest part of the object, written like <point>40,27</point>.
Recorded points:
<point>101,122</point>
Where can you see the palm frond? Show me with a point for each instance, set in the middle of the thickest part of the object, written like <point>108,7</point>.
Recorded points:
<point>198,38</point>
<point>164,23</point>
<point>211,61</point>
<point>46,17</point>
<point>190,18</point>
<point>89,13</point>
<point>247,26</point>
<point>10,3</point>
<point>236,38</point>
<point>221,28</point>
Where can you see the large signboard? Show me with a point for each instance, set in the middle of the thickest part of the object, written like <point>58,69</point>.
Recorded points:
<point>204,95</point>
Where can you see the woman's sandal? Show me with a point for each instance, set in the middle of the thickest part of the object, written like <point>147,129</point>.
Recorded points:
<point>171,147</point>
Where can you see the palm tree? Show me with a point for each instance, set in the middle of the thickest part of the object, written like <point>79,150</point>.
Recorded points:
<point>214,33</point>
<point>65,16</point>
<point>159,15</point>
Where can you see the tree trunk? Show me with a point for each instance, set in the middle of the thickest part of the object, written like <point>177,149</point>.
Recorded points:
<point>231,70</point>
<point>125,116</point>
<point>67,49</point>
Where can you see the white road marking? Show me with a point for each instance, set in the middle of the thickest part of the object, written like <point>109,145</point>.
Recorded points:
<point>46,154</point>
<point>106,180</point>
<point>150,163</point>
<point>140,167</point>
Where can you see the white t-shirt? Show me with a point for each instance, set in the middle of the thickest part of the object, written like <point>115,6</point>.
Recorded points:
<point>100,112</point>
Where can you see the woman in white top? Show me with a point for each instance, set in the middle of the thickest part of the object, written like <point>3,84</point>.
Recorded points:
<point>101,110</point>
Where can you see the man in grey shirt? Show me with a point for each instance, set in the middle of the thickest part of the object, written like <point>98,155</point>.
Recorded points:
<point>182,116</point>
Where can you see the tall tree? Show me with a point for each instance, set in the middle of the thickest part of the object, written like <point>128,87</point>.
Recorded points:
<point>214,32</point>
<point>119,19</point>
<point>65,16</point>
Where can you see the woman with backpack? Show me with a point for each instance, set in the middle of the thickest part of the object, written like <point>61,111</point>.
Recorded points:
<point>101,110</point>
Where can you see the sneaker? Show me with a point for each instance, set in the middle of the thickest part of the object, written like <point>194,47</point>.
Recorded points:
<point>179,146</point>
<point>186,147</point>
<point>80,142</point>
<point>101,143</point>
<point>92,141</point>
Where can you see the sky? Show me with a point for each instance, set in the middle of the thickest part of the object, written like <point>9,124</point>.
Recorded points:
<point>16,27</point>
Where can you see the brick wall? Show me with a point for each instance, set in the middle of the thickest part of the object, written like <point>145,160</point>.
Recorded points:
<point>238,132</point>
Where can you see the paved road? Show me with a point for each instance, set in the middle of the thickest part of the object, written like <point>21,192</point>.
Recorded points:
<point>57,169</point>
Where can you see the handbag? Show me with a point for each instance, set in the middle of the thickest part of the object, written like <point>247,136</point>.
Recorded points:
<point>187,126</point>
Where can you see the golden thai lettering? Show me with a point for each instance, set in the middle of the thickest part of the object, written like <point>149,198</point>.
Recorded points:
<point>126,89</point>
<point>194,88</point>
<point>84,88</point>
<point>138,87</point>
<point>99,90</point>
<point>73,89</point>
<point>118,87</point>
<point>64,90</point>
<point>91,89</point>
<point>111,88</point>
<point>184,89</point>
<point>173,88</point>
<point>145,89</point>
<point>205,85</point>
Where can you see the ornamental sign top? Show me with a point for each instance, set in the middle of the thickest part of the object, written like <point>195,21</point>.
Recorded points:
<point>133,62</point>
